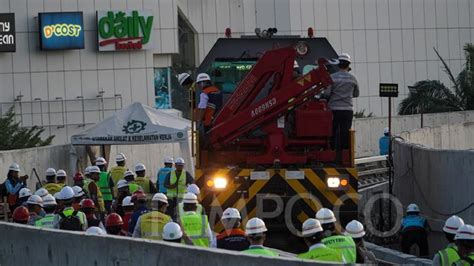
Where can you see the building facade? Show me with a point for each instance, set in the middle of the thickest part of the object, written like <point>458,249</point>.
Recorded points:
<point>67,91</point>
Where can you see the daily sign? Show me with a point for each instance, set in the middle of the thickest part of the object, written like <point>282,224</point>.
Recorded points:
<point>124,30</point>
<point>7,32</point>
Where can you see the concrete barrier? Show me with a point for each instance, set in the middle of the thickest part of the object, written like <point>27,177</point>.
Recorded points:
<point>26,245</point>
<point>396,257</point>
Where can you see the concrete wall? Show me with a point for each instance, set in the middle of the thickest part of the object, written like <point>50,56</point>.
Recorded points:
<point>69,158</point>
<point>396,257</point>
<point>439,181</point>
<point>369,130</point>
<point>455,137</point>
<point>23,245</point>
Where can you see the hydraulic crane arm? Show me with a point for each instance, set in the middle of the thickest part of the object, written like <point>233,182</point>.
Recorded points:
<point>240,116</point>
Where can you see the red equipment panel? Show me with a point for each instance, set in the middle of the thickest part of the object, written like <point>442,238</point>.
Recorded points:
<point>314,120</point>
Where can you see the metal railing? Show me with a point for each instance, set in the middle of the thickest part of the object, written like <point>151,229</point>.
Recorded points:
<point>372,171</point>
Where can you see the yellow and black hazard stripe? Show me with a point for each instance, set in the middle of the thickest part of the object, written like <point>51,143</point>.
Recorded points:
<point>241,192</point>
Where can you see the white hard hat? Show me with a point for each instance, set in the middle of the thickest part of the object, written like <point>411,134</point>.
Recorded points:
<point>355,229</point>
<point>202,77</point>
<point>160,197</point>
<point>50,172</point>
<point>14,167</point>
<point>325,216</point>
<point>465,232</point>
<point>49,200</point>
<point>172,231</point>
<point>94,169</point>
<point>139,167</point>
<point>35,200</point>
<point>78,192</point>
<point>127,201</point>
<point>310,227</point>
<point>61,173</point>
<point>128,173</point>
<point>95,230</point>
<point>122,183</point>
<point>24,192</point>
<point>179,161</point>
<point>57,195</point>
<point>295,64</point>
<point>168,160</point>
<point>100,161</point>
<point>190,198</point>
<point>345,57</point>
<point>255,226</point>
<point>413,208</point>
<point>42,192</point>
<point>193,188</point>
<point>452,224</point>
<point>386,130</point>
<point>182,77</point>
<point>86,171</point>
<point>120,157</point>
<point>231,213</point>
<point>66,193</point>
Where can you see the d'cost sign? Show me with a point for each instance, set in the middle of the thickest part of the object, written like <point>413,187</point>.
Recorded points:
<point>124,30</point>
<point>7,32</point>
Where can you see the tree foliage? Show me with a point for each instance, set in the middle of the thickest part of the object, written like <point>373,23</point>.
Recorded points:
<point>14,136</point>
<point>432,96</point>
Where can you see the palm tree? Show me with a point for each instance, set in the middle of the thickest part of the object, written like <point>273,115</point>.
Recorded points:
<point>432,96</point>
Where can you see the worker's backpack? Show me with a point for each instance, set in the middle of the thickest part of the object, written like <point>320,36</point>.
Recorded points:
<point>70,223</point>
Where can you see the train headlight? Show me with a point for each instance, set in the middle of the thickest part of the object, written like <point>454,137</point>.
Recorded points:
<point>333,182</point>
<point>217,182</point>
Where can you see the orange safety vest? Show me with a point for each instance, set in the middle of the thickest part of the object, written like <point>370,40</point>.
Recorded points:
<point>214,103</point>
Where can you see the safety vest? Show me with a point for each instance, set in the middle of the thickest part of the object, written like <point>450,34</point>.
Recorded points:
<point>116,173</point>
<point>181,188</point>
<point>344,244</point>
<point>261,251</point>
<point>214,103</point>
<point>152,223</point>
<point>322,254</point>
<point>181,209</point>
<point>195,226</point>
<point>104,186</point>
<point>52,188</point>
<point>69,211</point>
<point>449,255</point>
<point>143,182</point>
<point>466,261</point>
<point>46,222</point>
<point>160,180</point>
<point>134,187</point>
<point>100,199</point>
<point>413,221</point>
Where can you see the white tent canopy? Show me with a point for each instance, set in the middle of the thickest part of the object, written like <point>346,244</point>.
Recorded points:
<point>138,124</point>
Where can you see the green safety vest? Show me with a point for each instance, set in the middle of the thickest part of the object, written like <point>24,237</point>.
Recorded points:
<point>195,226</point>
<point>181,209</point>
<point>261,251</point>
<point>449,255</point>
<point>117,173</point>
<point>52,188</point>
<point>322,254</point>
<point>465,262</point>
<point>344,244</point>
<point>181,189</point>
<point>143,182</point>
<point>104,186</point>
<point>152,223</point>
<point>46,221</point>
<point>100,199</point>
<point>68,212</point>
<point>134,187</point>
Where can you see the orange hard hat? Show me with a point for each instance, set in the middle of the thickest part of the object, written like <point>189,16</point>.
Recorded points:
<point>138,195</point>
<point>21,214</point>
<point>113,219</point>
<point>87,204</point>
